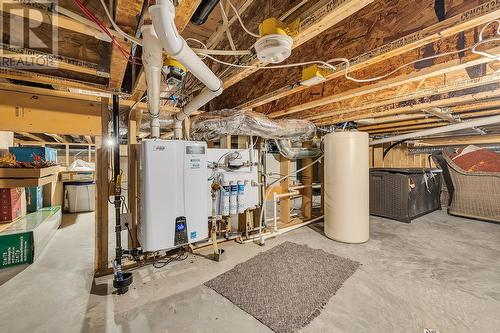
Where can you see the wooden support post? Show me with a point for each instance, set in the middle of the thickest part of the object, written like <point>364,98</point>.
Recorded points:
<point>133,178</point>
<point>285,203</point>
<point>89,153</point>
<point>243,142</point>
<point>307,179</point>
<point>225,142</point>
<point>66,148</point>
<point>101,217</point>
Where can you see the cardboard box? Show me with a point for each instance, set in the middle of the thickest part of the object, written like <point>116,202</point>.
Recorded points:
<point>34,198</point>
<point>12,204</point>
<point>23,241</point>
<point>25,154</point>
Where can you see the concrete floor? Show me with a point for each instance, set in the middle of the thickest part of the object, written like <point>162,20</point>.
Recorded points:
<point>439,272</point>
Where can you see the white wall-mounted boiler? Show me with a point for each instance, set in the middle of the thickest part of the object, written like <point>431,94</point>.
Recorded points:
<point>173,197</point>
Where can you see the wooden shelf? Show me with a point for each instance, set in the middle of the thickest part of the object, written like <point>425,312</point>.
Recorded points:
<point>27,182</point>
<point>29,172</point>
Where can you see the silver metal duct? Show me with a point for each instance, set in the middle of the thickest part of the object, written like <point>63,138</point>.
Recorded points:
<point>211,125</point>
<point>287,151</point>
<point>165,119</point>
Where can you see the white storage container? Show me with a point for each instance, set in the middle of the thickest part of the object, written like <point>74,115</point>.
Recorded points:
<point>81,197</point>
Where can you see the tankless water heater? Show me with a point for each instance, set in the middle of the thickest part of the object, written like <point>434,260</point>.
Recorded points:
<point>173,196</point>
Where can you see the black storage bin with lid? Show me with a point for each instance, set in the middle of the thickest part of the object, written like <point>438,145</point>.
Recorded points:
<point>404,194</point>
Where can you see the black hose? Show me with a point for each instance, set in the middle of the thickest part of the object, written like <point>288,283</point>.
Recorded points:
<point>204,10</point>
<point>116,176</point>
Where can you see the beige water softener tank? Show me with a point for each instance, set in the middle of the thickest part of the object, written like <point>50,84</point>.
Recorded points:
<point>346,187</point>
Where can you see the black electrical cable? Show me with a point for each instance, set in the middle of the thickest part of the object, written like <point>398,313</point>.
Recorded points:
<point>160,263</point>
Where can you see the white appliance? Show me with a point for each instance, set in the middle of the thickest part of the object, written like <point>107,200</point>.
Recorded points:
<point>173,193</point>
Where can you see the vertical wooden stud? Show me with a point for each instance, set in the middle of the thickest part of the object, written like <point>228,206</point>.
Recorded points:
<point>285,203</point>
<point>101,216</point>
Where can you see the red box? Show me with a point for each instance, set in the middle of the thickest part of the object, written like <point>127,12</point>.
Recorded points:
<point>12,204</point>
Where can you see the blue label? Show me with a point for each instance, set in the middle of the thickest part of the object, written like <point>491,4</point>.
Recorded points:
<point>241,188</point>
<point>193,234</point>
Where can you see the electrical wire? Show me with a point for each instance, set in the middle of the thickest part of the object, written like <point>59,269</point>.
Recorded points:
<point>160,263</point>
<point>130,58</point>
<point>241,21</point>
<point>347,62</point>
<point>203,51</point>
<point>117,28</point>
<point>482,41</point>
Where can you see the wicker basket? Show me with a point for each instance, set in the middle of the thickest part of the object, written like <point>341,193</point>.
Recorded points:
<point>476,194</point>
<point>404,194</point>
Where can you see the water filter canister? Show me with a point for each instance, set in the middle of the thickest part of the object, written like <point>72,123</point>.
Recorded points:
<point>241,196</point>
<point>233,204</point>
<point>225,198</point>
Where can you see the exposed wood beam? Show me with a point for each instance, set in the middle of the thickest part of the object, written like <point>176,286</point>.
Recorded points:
<point>325,16</point>
<point>428,120</point>
<point>88,138</point>
<point>57,137</point>
<point>399,45</point>
<point>44,16</point>
<point>22,75</point>
<point>51,143</point>
<point>443,113</point>
<point>218,35</point>
<point>182,16</point>
<point>35,91</point>
<point>127,13</point>
<point>21,113</point>
<point>469,107</point>
<point>460,140</point>
<point>455,64</point>
<point>184,12</point>
<point>409,128</point>
<point>32,136</point>
<point>52,61</point>
<point>443,100</point>
<point>341,110</point>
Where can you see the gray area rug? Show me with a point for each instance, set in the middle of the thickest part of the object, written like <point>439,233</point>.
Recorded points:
<point>285,287</point>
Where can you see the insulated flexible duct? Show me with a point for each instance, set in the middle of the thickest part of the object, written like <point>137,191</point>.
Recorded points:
<point>293,153</point>
<point>211,125</point>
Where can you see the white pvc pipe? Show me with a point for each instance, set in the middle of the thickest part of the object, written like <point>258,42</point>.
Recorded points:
<point>268,235</point>
<point>439,130</point>
<point>162,14</point>
<point>152,60</point>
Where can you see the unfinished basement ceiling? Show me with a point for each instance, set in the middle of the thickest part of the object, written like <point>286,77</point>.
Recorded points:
<point>378,36</point>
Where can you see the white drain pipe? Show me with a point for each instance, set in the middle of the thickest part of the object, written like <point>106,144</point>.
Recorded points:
<point>152,60</point>
<point>439,130</point>
<point>163,14</point>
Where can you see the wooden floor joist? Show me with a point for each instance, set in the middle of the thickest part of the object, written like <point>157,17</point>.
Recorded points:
<point>343,109</point>
<point>444,100</point>
<point>261,95</point>
<point>325,16</point>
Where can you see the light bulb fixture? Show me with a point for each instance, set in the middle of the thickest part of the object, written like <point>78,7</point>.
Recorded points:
<point>110,142</point>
